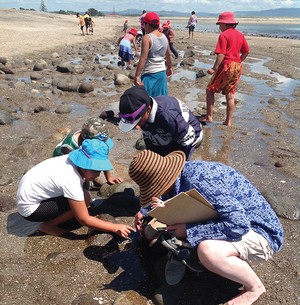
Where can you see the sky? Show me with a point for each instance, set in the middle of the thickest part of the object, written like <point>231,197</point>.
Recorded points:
<point>207,6</point>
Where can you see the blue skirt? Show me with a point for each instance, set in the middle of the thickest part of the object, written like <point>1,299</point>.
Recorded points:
<point>155,83</point>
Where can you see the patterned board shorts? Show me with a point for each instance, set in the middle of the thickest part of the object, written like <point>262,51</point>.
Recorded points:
<point>225,79</point>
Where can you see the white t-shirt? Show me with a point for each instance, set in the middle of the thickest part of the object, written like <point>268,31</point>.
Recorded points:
<point>51,178</point>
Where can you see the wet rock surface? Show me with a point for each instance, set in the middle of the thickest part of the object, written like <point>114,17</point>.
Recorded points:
<point>88,267</point>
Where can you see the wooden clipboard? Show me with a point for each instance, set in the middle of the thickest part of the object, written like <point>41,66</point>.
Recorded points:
<point>186,207</point>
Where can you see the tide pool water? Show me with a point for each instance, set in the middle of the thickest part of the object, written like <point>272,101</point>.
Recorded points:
<point>289,30</point>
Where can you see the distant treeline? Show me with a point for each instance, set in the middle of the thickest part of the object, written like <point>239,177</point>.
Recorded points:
<point>92,11</point>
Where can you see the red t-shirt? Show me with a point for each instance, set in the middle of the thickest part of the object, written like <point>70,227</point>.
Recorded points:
<point>232,43</point>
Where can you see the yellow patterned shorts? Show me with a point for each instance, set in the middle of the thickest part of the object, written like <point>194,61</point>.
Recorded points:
<point>225,79</point>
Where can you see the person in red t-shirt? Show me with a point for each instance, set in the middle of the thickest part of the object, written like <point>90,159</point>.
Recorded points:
<point>232,48</point>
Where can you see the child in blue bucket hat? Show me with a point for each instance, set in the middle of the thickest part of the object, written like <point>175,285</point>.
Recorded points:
<point>52,191</point>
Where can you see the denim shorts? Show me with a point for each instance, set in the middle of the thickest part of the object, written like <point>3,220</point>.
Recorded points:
<point>253,248</point>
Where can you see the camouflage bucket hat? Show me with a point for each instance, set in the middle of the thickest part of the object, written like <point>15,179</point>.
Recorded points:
<point>94,128</point>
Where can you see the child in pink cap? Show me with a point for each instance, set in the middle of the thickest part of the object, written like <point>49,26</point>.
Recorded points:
<point>232,49</point>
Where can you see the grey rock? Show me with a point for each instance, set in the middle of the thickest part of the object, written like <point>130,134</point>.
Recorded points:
<point>200,74</point>
<point>36,76</point>
<point>3,60</point>
<point>188,62</point>
<point>85,299</point>
<point>283,205</point>
<point>69,84</point>
<point>5,118</point>
<point>62,109</point>
<point>189,53</point>
<point>65,68</point>
<point>6,69</point>
<point>121,79</point>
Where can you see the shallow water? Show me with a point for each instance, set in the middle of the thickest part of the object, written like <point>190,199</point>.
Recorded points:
<point>290,30</point>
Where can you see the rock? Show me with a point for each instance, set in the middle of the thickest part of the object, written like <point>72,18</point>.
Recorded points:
<point>55,55</point>
<point>5,118</point>
<point>40,109</point>
<point>86,299</point>
<point>189,53</point>
<point>69,84</point>
<point>140,144</point>
<point>40,66</point>
<point>283,205</point>
<point>3,60</point>
<point>188,62</point>
<point>200,74</point>
<point>130,297</point>
<point>108,114</point>
<point>78,69</point>
<point>65,68</point>
<point>131,74</point>
<point>36,76</point>
<point>111,67</point>
<point>107,190</point>
<point>278,164</point>
<point>121,79</point>
<point>85,88</point>
<point>5,69</point>
<point>64,108</point>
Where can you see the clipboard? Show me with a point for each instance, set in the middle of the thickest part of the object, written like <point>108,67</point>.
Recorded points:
<point>186,207</point>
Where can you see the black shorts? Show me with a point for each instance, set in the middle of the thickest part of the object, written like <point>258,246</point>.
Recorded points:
<point>49,209</point>
<point>191,28</point>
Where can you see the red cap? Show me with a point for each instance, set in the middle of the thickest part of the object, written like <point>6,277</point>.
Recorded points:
<point>151,18</point>
<point>133,31</point>
<point>166,25</point>
<point>226,18</point>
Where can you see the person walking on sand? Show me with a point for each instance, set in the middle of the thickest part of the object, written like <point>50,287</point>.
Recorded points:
<point>192,24</point>
<point>125,27</point>
<point>141,19</point>
<point>151,70</point>
<point>52,191</point>
<point>166,30</point>
<point>125,50</point>
<point>81,23</point>
<point>246,231</point>
<point>86,19</point>
<point>232,49</point>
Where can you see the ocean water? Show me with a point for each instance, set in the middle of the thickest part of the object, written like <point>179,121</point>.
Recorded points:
<point>288,30</point>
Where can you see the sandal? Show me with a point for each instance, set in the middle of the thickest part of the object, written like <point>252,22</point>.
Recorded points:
<point>183,251</point>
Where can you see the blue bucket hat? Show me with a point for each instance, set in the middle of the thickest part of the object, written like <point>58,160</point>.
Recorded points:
<point>93,155</point>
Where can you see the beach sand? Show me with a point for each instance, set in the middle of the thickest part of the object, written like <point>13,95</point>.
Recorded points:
<point>263,144</point>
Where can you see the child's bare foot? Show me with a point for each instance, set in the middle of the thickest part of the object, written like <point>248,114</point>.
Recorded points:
<point>205,119</point>
<point>51,230</point>
<point>248,297</point>
<point>227,123</point>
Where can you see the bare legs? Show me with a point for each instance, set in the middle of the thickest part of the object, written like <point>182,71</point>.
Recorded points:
<point>51,226</point>
<point>229,108</point>
<point>221,257</point>
<point>210,100</point>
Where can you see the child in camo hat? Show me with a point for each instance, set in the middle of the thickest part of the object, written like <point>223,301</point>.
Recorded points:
<point>93,128</point>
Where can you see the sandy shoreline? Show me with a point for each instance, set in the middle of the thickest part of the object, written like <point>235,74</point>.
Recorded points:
<point>60,270</point>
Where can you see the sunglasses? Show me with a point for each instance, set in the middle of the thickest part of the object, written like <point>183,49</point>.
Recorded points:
<point>130,118</point>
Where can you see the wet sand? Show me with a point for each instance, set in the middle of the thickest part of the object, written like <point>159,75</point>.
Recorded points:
<point>263,144</point>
